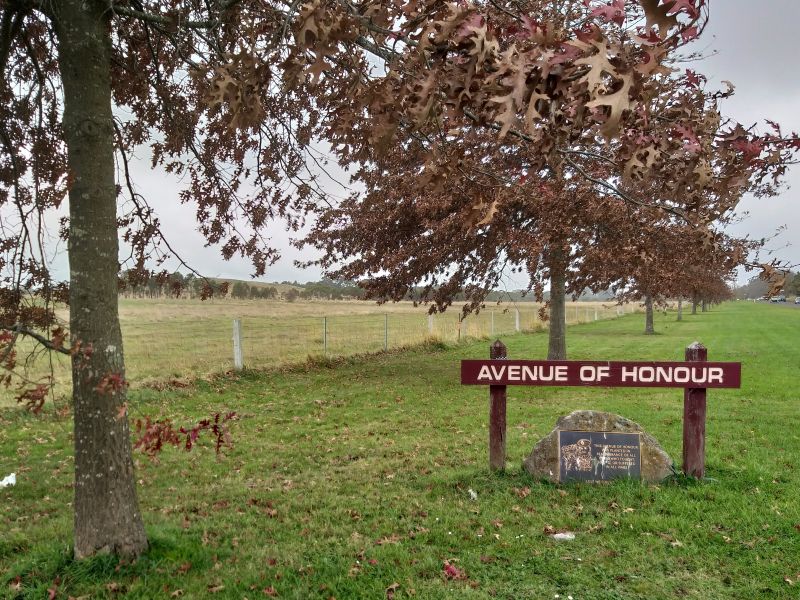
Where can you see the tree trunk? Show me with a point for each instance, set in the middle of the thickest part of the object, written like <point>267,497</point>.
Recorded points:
<point>648,315</point>
<point>704,306</point>
<point>694,305</point>
<point>557,343</point>
<point>107,517</point>
<point>680,309</point>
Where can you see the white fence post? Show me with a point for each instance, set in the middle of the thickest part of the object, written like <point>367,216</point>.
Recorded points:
<point>386,332</point>
<point>595,313</point>
<point>516,320</point>
<point>325,335</point>
<point>238,359</point>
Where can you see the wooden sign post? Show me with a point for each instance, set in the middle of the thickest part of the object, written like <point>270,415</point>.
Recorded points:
<point>695,375</point>
<point>497,414</point>
<point>694,420</point>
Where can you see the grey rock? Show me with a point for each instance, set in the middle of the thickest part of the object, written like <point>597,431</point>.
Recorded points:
<point>542,463</point>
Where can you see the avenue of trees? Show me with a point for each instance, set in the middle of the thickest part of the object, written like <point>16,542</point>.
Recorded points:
<point>534,135</point>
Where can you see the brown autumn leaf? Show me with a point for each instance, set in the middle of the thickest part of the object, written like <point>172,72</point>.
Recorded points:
<point>184,568</point>
<point>617,103</point>
<point>599,66</point>
<point>215,588</point>
<point>489,215</point>
<point>657,16</point>
<point>522,492</point>
<point>392,539</point>
<point>390,591</point>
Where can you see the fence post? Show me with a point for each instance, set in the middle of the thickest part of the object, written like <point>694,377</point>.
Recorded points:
<point>386,332</point>
<point>238,359</point>
<point>516,320</point>
<point>492,327</point>
<point>694,420</point>
<point>497,414</point>
<point>325,335</point>
<point>595,313</point>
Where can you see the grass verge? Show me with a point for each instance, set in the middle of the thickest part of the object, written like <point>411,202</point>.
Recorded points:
<point>353,482</point>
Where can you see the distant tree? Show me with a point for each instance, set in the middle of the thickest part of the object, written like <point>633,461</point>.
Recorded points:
<point>793,285</point>
<point>291,295</point>
<point>240,290</point>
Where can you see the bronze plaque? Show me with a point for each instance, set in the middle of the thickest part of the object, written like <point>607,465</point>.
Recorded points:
<point>598,455</point>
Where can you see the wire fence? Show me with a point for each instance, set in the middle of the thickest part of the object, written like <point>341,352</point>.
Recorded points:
<point>180,344</point>
<point>268,344</point>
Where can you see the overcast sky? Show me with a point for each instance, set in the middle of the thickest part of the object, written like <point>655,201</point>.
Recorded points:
<point>756,48</point>
<point>752,44</point>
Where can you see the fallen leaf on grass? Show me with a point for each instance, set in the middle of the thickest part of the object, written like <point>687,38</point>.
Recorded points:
<point>452,572</point>
<point>213,589</point>
<point>269,591</point>
<point>53,591</point>
<point>522,492</point>
<point>391,590</point>
<point>184,568</point>
<point>176,594</point>
<point>392,539</point>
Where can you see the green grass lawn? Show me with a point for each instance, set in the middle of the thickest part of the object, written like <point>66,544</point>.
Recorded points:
<point>352,479</point>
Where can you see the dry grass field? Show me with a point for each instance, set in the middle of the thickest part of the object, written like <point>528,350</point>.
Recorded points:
<point>180,339</point>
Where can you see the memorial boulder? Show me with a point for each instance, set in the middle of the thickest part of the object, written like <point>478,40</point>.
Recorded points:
<point>588,445</point>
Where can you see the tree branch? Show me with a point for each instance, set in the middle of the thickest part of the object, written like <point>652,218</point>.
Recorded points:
<point>20,329</point>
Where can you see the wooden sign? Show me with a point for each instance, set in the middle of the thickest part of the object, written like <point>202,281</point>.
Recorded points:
<point>601,373</point>
<point>695,375</point>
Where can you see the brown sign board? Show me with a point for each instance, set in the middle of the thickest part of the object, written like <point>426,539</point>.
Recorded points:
<point>601,373</point>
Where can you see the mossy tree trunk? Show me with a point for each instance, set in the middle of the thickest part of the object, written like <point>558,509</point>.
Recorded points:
<point>107,517</point>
